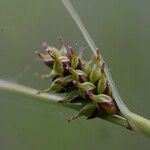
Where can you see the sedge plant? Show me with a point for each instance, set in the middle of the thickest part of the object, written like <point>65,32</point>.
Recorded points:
<point>86,86</point>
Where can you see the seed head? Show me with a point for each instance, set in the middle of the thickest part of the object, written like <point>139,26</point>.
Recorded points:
<point>82,82</point>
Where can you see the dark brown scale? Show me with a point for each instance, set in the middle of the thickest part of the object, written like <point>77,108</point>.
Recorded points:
<point>70,85</point>
<point>63,90</point>
<point>88,93</point>
<point>80,65</point>
<point>69,52</point>
<point>97,112</point>
<point>55,77</point>
<point>49,63</point>
<point>107,90</point>
<point>102,68</point>
<point>117,108</point>
<point>76,99</point>
<point>96,83</point>
<point>66,64</point>
<point>82,79</point>
<point>66,90</point>
<point>109,107</point>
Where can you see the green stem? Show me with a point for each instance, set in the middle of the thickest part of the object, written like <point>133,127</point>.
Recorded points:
<point>136,122</point>
<point>139,124</point>
<point>51,98</point>
<point>27,91</point>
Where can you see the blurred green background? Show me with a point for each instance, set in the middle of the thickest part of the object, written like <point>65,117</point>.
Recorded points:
<point>121,29</point>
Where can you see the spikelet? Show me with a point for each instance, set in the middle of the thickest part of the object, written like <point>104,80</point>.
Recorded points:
<point>82,82</point>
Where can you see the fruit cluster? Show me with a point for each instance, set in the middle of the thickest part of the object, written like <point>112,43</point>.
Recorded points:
<point>83,82</point>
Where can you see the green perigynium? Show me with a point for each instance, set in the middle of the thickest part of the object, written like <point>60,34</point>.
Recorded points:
<point>83,82</point>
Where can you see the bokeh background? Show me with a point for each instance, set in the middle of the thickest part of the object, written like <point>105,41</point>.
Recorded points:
<point>121,29</point>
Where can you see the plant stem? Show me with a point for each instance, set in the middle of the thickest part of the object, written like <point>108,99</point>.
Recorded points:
<point>137,122</point>
<point>27,91</point>
<point>51,98</point>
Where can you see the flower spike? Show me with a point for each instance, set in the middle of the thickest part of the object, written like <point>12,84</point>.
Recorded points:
<point>82,82</point>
